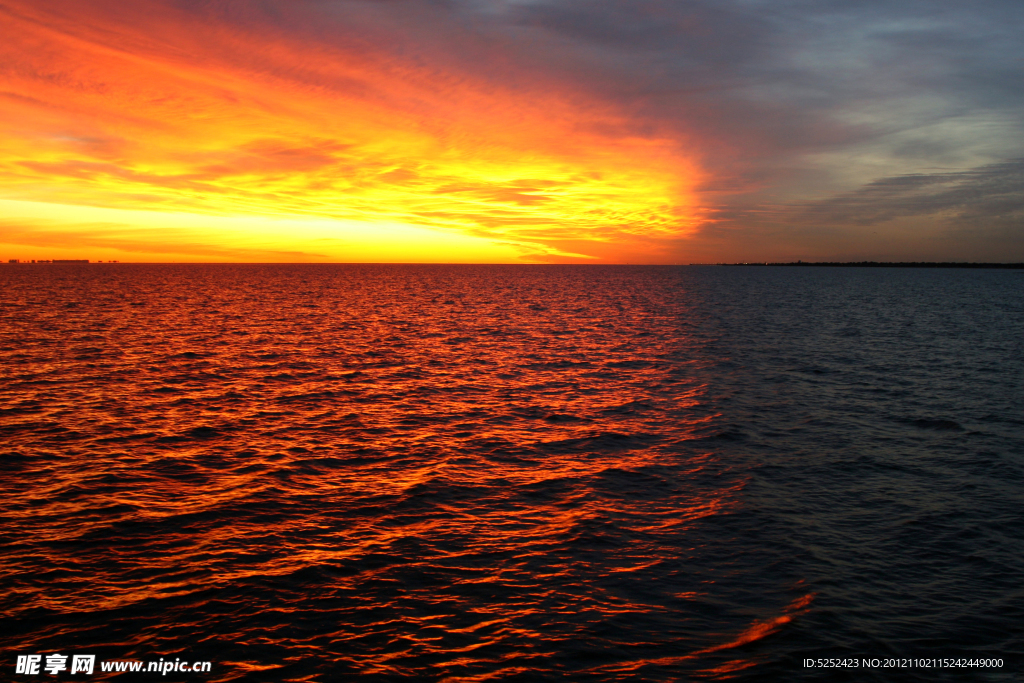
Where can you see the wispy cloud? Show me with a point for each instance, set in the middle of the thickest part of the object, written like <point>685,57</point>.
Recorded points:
<point>988,193</point>
<point>649,128</point>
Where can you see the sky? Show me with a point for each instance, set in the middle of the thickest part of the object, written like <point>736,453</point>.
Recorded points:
<point>512,131</point>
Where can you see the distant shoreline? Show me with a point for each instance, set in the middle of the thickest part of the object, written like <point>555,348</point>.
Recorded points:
<point>886,264</point>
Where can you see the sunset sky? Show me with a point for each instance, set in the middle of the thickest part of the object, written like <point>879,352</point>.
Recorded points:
<point>577,131</point>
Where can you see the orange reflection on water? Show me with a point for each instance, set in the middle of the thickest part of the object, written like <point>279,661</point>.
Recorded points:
<point>387,471</point>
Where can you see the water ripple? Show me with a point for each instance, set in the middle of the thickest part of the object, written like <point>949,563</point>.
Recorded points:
<point>510,473</point>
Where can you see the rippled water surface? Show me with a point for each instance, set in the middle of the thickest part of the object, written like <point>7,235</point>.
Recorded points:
<point>512,473</point>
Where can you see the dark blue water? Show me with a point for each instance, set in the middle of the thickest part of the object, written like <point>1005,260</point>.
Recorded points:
<point>513,473</point>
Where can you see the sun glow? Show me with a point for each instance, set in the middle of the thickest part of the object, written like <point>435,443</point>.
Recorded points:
<point>259,140</point>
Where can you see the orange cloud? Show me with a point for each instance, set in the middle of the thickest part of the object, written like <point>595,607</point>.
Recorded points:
<point>149,108</point>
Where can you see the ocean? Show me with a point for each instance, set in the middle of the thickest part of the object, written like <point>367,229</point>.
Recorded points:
<point>513,473</point>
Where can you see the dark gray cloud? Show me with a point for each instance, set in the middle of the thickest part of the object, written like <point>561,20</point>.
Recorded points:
<point>825,124</point>
<point>752,87</point>
<point>975,214</point>
<point>708,36</point>
<point>994,192</point>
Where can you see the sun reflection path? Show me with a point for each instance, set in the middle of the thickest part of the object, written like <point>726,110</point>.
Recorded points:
<point>409,471</point>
